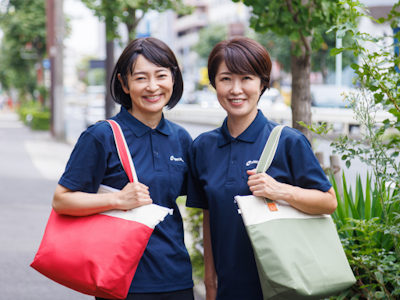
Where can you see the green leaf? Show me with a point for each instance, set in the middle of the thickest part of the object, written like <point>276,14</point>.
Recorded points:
<point>294,36</point>
<point>355,66</point>
<point>379,295</point>
<point>348,164</point>
<point>395,112</point>
<point>347,226</point>
<point>379,277</point>
<point>336,51</point>
<point>381,20</point>
<point>378,97</point>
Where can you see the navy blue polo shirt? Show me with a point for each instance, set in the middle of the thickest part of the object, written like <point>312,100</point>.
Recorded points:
<point>160,158</point>
<point>217,173</point>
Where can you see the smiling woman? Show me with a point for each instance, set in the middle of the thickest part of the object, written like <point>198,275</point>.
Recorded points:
<point>146,78</point>
<point>222,165</point>
<point>150,89</point>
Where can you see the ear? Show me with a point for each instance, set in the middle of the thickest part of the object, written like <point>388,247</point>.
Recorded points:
<point>126,89</point>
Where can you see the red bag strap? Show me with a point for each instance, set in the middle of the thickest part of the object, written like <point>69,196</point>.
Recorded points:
<point>123,151</point>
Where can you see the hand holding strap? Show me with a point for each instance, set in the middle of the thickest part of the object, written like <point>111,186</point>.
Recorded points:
<point>269,150</point>
<point>267,157</point>
<point>123,151</point>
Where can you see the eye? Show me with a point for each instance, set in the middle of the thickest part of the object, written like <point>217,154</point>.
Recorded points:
<point>225,79</point>
<point>162,75</point>
<point>140,78</point>
<point>247,78</point>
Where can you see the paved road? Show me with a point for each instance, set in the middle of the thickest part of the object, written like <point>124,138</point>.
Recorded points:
<point>25,204</point>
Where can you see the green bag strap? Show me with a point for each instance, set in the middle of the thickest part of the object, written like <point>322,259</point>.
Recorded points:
<point>269,150</point>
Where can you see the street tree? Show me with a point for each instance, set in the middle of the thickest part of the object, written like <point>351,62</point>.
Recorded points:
<point>322,61</point>
<point>23,44</point>
<point>298,20</point>
<point>209,36</point>
<point>116,12</point>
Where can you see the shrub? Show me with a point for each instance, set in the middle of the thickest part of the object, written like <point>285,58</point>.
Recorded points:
<point>35,115</point>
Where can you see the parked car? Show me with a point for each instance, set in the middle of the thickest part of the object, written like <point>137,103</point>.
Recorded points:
<point>188,98</point>
<point>330,96</point>
<point>270,97</point>
<point>95,111</point>
<point>207,99</point>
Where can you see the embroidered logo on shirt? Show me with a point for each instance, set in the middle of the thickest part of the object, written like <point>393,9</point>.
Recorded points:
<point>250,162</point>
<point>172,158</point>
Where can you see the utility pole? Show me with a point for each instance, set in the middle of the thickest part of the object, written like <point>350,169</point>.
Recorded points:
<point>109,69</point>
<point>55,49</point>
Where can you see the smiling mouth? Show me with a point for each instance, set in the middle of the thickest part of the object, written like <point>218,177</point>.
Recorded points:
<point>152,98</point>
<point>236,101</point>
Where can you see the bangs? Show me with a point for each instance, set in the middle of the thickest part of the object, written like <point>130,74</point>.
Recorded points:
<point>242,56</point>
<point>237,60</point>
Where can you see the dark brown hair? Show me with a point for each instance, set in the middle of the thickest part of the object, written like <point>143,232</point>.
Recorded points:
<point>242,55</point>
<point>153,50</point>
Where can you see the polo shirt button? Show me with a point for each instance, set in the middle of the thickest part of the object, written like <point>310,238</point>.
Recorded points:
<point>235,142</point>
<point>155,152</point>
<point>233,162</point>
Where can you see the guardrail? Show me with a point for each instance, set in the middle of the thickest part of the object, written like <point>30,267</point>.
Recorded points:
<point>192,113</point>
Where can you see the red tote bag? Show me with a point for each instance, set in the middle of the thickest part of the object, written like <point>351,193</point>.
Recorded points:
<point>98,255</point>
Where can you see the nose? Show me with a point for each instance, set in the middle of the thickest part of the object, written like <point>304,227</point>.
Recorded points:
<point>153,85</point>
<point>236,87</point>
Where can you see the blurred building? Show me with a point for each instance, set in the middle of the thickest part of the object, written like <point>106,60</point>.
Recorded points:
<point>235,16</point>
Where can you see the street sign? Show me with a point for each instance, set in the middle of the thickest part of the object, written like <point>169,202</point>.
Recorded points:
<point>94,64</point>
<point>46,63</point>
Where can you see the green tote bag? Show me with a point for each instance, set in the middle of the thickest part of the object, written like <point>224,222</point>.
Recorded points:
<point>299,256</point>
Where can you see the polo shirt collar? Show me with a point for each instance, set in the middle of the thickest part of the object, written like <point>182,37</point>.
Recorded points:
<point>138,128</point>
<point>249,135</point>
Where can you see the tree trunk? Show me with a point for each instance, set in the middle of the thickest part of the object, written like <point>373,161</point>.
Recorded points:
<point>301,100</point>
<point>131,24</point>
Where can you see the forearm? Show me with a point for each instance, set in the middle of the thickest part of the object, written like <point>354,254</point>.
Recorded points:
<point>210,275</point>
<point>309,201</point>
<point>72,203</point>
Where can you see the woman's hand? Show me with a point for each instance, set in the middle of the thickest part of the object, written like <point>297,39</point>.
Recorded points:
<point>310,201</point>
<point>263,185</point>
<point>68,202</point>
<point>134,194</point>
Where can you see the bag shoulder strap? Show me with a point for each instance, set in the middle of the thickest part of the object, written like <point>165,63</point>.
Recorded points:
<point>269,150</point>
<point>123,150</point>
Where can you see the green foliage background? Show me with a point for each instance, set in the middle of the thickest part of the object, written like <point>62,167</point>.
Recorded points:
<point>22,21</point>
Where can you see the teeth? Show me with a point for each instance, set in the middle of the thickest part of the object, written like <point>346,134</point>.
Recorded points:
<point>237,100</point>
<point>153,97</point>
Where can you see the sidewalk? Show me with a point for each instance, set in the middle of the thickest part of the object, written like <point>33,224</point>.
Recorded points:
<point>31,162</point>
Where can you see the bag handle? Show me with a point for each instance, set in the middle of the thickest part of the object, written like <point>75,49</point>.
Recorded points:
<point>267,156</point>
<point>269,150</point>
<point>123,150</point>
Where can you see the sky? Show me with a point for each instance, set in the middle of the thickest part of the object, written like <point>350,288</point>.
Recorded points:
<point>86,36</point>
<point>379,3</point>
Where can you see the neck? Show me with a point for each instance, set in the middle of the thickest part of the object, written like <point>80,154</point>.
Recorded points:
<point>151,120</point>
<point>237,125</point>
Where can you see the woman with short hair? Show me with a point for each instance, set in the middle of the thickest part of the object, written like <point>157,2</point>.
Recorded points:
<point>222,165</point>
<point>146,78</point>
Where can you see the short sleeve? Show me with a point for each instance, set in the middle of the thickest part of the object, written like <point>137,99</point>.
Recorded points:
<point>196,196</point>
<point>306,170</point>
<point>87,165</point>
